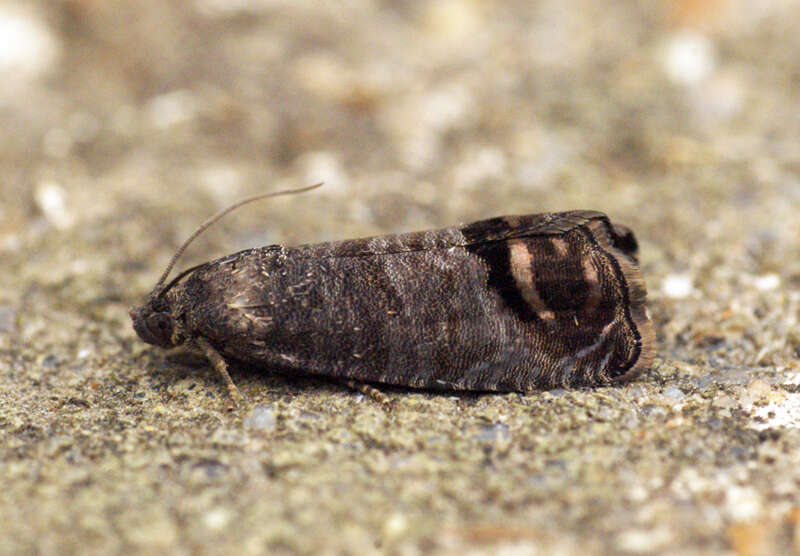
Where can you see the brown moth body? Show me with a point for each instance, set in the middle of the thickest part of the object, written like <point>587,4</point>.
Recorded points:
<point>514,303</point>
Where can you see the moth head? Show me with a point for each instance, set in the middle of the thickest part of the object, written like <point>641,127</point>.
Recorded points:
<point>154,321</point>
<point>155,324</point>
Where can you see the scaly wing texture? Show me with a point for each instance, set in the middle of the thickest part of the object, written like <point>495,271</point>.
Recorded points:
<point>512,304</point>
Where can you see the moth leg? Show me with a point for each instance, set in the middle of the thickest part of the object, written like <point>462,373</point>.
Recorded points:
<point>222,368</point>
<point>368,390</point>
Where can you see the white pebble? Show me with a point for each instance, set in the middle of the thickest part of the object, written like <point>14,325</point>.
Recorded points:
<point>171,108</point>
<point>217,519</point>
<point>642,541</point>
<point>767,282</point>
<point>742,503</point>
<point>51,199</point>
<point>262,418</point>
<point>324,166</point>
<point>677,286</point>
<point>457,22</point>
<point>28,48</point>
<point>782,414</point>
<point>395,526</point>
<point>688,58</point>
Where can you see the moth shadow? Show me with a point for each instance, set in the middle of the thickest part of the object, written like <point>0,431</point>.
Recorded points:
<point>196,365</point>
<point>290,381</point>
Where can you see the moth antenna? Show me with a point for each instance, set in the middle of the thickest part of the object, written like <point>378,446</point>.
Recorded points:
<point>205,225</point>
<point>179,277</point>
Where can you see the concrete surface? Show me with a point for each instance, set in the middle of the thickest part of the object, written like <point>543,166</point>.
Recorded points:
<point>125,124</point>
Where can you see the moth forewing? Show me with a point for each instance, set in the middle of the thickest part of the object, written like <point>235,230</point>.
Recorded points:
<point>513,303</point>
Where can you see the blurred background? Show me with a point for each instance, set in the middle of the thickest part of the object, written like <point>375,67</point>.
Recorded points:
<point>124,124</point>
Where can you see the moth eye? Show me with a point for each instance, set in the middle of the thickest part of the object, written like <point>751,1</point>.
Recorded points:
<point>160,323</point>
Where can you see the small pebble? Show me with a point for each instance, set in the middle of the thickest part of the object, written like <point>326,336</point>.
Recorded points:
<point>217,519</point>
<point>767,282</point>
<point>689,58</point>
<point>395,526</point>
<point>51,198</point>
<point>674,393</point>
<point>173,108</point>
<point>641,541</point>
<point>758,388</point>
<point>324,166</point>
<point>743,502</point>
<point>493,433</point>
<point>457,22</point>
<point>30,49</point>
<point>677,286</point>
<point>261,418</point>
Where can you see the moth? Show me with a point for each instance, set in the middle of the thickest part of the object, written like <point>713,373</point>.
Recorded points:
<point>514,303</point>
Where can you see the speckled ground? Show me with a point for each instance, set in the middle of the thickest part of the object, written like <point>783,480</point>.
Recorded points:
<point>125,124</point>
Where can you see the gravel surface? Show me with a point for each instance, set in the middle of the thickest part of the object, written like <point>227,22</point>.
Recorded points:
<point>125,124</point>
